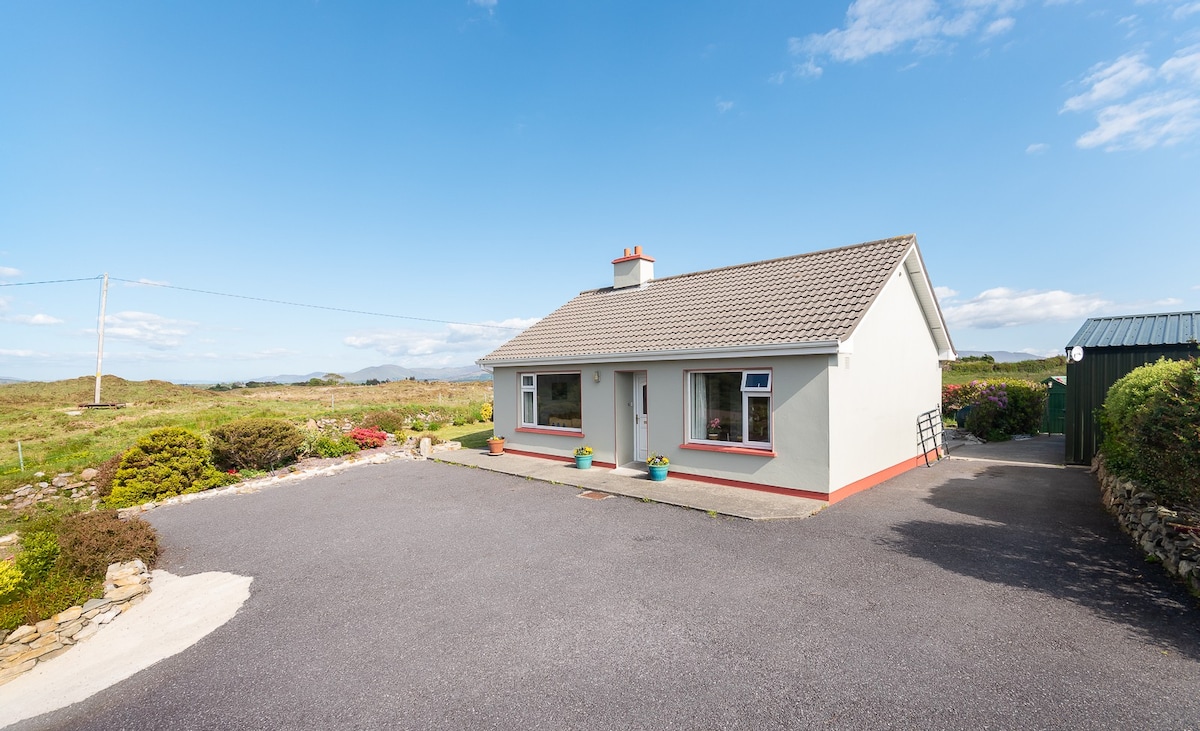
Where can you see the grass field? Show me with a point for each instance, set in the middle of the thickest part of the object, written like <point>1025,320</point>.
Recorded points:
<point>57,435</point>
<point>1026,370</point>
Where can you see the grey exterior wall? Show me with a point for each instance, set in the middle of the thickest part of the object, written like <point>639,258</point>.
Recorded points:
<point>1088,382</point>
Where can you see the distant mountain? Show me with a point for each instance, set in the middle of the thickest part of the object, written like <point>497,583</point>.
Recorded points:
<point>392,373</point>
<point>1001,356</point>
<point>10,380</point>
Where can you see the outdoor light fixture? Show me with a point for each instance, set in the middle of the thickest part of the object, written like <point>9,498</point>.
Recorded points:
<point>596,376</point>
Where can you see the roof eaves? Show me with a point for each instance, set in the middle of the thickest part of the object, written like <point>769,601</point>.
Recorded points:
<point>825,347</point>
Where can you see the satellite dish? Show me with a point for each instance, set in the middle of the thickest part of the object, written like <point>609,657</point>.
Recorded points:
<point>1077,353</point>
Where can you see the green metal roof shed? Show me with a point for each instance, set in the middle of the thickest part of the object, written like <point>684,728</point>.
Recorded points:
<point>1104,350</point>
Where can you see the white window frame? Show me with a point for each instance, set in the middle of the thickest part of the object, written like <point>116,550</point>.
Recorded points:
<point>748,392</point>
<point>528,384</point>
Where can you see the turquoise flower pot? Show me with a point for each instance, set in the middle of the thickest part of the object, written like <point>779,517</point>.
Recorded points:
<point>584,462</point>
<point>658,472</point>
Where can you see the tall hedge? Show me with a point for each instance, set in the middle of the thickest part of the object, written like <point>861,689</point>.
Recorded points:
<point>1151,427</point>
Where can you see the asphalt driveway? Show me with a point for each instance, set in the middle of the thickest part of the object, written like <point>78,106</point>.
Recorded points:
<point>423,595</point>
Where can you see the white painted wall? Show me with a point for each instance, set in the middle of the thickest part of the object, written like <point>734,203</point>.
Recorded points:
<point>878,391</point>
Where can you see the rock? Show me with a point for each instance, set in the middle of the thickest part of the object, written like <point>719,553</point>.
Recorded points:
<point>21,632</point>
<point>46,625</point>
<point>122,593</point>
<point>94,604</point>
<point>108,616</point>
<point>70,630</point>
<point>89,474</point>
<point>60,481</point>
<point>35,653</point>
<point>426,447</point>
<point>87,631</point>
<point>44,640</point>
<point>10,538</point>
<point>68,615</point>
<point>23,491</point>
<point>12,672</point>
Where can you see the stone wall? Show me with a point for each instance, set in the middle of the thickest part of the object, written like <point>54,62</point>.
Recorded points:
<point>1157,530</point>
<point>21,650</point>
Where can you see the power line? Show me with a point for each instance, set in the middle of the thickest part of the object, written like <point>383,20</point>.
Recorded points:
<point>271,301</point>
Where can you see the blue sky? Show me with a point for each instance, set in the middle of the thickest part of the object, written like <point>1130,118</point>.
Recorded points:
<point>479,163</point>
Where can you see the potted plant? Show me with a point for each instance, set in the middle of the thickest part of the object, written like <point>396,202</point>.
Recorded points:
<point>583,457</point>
<point>495,445</point>
<point>714,429</point>
<point>657,464</point>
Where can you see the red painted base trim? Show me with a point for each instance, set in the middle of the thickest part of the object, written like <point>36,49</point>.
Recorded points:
<point>836,496</point>
<point>550,432</point>
<point>882,476</point>
<point>729,450</point>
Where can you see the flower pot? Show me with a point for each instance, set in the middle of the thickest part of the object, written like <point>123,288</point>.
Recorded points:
<point>713,436</point>
<point>658,472</point>
<point>495,446</point>
<point>583,462</point>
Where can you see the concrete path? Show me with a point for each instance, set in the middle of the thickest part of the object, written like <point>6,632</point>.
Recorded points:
<point>733,502</point>
<point>1043,449</point>
<point>420,595</point>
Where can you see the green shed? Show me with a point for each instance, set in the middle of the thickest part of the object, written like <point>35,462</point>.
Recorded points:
<point>1054,419</point>
<point>1104,350</point>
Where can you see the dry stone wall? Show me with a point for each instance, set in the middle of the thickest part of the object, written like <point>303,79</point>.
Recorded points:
<point>125,584</point>
<point>1157,530</point>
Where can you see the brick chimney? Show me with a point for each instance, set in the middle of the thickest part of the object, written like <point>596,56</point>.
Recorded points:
<point>633,269</point>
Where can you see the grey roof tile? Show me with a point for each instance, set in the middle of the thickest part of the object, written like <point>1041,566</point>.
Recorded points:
<point>808,298</point>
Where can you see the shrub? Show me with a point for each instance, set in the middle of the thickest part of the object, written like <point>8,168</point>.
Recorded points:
<point>956,396</point>
<point>485,412</point>
<point>320,444</point>
<point>1151,425</point>
<point>91,541</point>
<point>56,592</point>
<point>39,551</point>
<point>256,443</point>
<point>391,420</point>
<point>368,438</point>
<point>105,472</point>
<point>166,462</point>
<point>1003,409</point>
<point>11,580</point>
<point>1125,399</point>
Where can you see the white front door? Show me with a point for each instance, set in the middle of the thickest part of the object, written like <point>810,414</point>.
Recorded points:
<point>639,416</point>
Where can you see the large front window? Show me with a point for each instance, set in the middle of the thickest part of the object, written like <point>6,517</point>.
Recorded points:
<point>730,407</point>
<point>551,400</point>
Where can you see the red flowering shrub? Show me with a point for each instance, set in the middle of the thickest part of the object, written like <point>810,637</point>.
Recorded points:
<point>368,437</point>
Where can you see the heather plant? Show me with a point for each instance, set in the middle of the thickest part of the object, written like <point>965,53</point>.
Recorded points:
<point>11,580</point>
<point>91,541</point>
<point>367,438</point>
<point>1003,409</point>
<point>956,396</point>
<point>256,443</point>
<point>105,472</point>
<point>333,444</point>
<point>166,462</point>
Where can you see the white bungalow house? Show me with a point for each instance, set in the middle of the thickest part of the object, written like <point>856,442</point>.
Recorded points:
<point>804,375</point>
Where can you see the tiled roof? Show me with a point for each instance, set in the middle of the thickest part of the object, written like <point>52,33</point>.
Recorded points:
<point>1171,328</point>
<point>810,298</point>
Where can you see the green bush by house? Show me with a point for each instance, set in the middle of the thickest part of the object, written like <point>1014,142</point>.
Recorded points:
<point>1151,426</point>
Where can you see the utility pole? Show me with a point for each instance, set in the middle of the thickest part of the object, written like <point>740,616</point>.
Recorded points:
<point>100,343</point>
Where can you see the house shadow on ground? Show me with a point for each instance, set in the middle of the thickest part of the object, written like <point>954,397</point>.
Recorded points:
<point>1044,530</point>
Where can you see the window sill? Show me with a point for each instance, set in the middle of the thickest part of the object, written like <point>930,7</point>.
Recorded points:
<point>752,451</point>
<point>578,434</point>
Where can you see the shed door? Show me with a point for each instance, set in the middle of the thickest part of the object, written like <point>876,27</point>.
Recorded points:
<point>639,416</point>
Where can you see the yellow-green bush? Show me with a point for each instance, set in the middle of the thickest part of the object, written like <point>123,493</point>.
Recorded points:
<point>485,411</point>
<point>11,579</point>
<point>166,462</point>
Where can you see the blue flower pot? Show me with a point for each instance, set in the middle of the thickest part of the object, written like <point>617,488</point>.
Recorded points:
<point>658,472</point>
<point>584,462</point>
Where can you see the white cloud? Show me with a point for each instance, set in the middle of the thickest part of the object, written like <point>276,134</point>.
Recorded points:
<point>1185,10</point>
<point>38,319</point>
<point>1112,81</point>
<point>1137,106</point>
<point>156,331</point>
<point>944,293</point>
<point>1037,148</point>
<point>999,27</point>
<point>874,27</point>
<point>1004,307</point>
<point>439,347</point>
<point>4,352</point>
<point>489,5</point>
<point>9,272</point>
<point>724,106</point>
